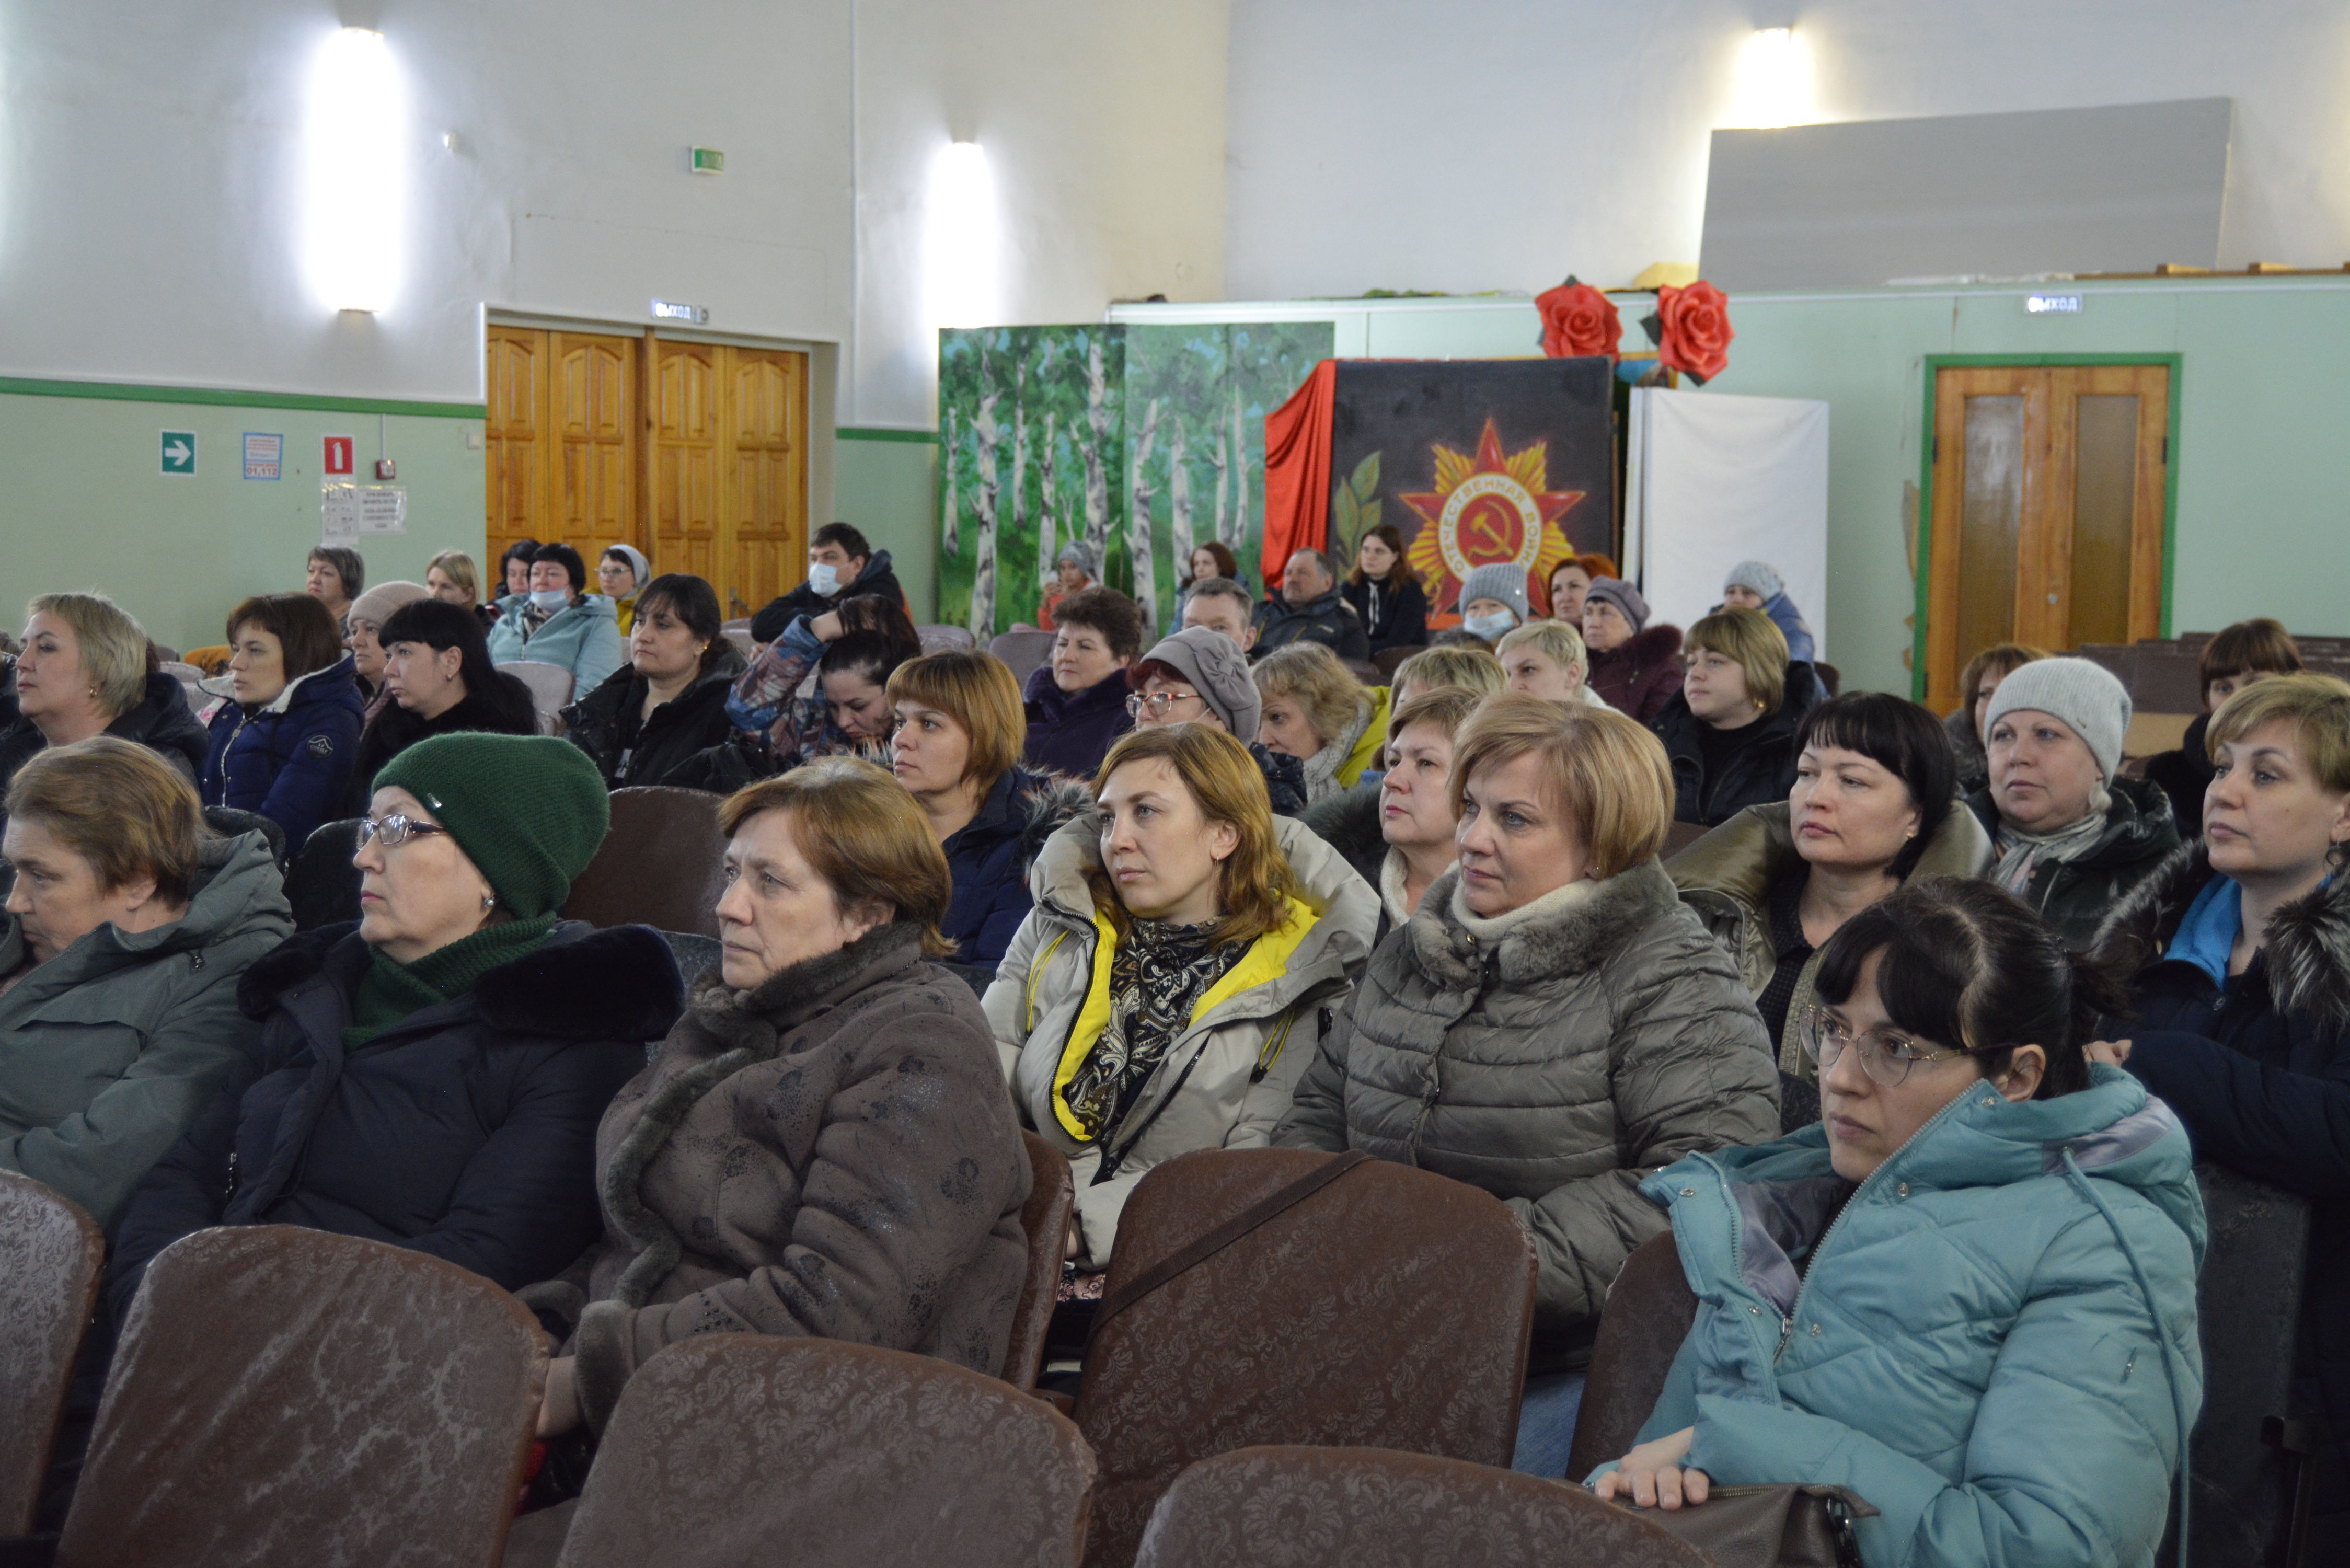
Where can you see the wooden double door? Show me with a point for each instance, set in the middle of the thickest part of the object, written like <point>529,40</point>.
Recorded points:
<point>2050,502</point>
<point>696,453</point>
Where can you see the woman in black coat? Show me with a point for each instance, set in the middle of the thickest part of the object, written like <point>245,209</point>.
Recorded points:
<point>438,675</point>
<point>1393,605</point>
<point>1730,729</point>
<point>655,713</point>
<point>434,1078</point>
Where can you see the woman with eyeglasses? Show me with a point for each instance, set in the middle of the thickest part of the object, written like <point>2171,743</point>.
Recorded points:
<point>432,1076</point>
<point>1967,1296</point>
<point>1200,676</point>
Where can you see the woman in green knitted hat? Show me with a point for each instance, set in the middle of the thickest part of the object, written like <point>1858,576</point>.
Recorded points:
<point>433,1075</point>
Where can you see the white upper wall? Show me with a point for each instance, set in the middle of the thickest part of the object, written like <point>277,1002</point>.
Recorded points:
<point>1398,144</point>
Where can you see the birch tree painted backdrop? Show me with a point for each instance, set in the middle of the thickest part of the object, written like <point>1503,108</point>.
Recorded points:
<point>1142,441</point>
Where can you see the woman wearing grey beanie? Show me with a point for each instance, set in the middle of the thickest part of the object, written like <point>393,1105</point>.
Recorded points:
<point>2072,836</point>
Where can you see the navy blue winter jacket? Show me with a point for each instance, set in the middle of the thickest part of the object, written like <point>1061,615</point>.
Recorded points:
<point>990,873</point>
<point>1069,732</point>
<point>466,1130</point>
<point>291,760</point>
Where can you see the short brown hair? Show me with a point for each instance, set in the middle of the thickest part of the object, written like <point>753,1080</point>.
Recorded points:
<point>1107,611</point>
<point>1607,773</point>
<point>113,646</point>
<point>350,567</point>
<point>1470,669</point>
<point>303,626</point>
<point>1255,879</point>
<point>2261,646</point>
<point>458,567</point>
<point>120,806</point>
<point>1312,673</point>
<point>862,832</point>
<point>1752,641</point>
<point>2005,657</point>
<point>976,691</point>
<point>2316,706</point>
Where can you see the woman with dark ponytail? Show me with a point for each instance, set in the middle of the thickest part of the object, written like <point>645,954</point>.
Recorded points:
<point>1969,1294</point>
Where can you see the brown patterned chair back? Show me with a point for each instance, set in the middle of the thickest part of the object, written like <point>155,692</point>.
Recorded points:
<point>1389,1310</point>
<point>48,1287</point>
<point>661,864</point>
<point>284,1398</point>
<point>731,1448</point>
<point>1648,1312</point>
<point>1339,1508</point>
<point>1052,1194</point>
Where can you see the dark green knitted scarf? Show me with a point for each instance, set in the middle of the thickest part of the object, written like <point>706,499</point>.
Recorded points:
<point>390,990</point>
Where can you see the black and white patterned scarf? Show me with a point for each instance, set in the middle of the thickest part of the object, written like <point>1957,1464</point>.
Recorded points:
<point>1157,976</point>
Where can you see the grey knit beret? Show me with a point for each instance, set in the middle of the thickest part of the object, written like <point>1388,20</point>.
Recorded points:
<point>1623,596</point>
<point>1500,580</point>
<point>1215,666</point>
<point>2086,697</point>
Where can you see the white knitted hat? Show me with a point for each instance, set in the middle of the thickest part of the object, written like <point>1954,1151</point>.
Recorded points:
<point>2085,696</point>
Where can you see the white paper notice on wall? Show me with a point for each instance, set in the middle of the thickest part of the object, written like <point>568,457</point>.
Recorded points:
<point>363,511</point>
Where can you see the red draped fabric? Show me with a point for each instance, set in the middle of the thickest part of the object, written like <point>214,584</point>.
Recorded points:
<point>1298,470</point>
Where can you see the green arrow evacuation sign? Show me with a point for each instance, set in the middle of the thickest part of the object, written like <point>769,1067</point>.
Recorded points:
<point>178,452</point>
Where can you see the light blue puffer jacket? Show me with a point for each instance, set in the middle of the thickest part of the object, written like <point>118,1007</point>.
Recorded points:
<point>583,636</point>
<point>1973,1348</point>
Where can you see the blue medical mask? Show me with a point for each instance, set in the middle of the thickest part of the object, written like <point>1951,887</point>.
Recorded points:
<point>1489,627</point>
<point>825,578</point>
<point>550,598</point>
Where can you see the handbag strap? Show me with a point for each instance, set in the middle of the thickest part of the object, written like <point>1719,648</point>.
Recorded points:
<point>1200,1249</point>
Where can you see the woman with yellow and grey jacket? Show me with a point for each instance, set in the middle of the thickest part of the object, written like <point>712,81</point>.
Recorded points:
<point>1178,969</point>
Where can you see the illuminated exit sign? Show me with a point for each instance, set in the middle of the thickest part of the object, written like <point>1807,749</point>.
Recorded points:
<point>2053,304</point>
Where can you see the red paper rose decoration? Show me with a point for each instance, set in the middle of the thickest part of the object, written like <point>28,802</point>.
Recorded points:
<point>1577,319</point>
<point>1695,330</point>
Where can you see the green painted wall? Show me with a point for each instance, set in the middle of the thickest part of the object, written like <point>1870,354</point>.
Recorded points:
<point>83,504</point>
<point>886,484</point>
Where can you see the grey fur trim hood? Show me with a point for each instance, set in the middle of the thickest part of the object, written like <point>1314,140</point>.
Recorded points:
<point>1570,931</point>
<point>2307,947</point>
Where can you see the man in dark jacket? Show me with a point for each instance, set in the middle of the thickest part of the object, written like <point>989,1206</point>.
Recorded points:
<point>1309,609</point>
<point>838,556</point>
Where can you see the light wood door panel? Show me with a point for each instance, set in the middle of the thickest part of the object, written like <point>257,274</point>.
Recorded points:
<point>766,521</point>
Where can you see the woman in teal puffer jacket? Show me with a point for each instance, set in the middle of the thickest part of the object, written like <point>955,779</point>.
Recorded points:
<point>1969,1295</point>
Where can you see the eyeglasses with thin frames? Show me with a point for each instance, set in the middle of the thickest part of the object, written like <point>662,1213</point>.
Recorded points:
<point>1158,702</point>
<point>394,831</point>
<point>1886,1056</point>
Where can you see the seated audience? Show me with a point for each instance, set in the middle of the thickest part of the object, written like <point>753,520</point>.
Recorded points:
<point>121,950</point>
<point>851,652</point>
<point>1072,572</point>
<point>83,672</point>
<point>287,739</point>
<point>363,635</point>
<point>1580,1024</point>
<point>1493,600</point>
<point>1635,667</point>
<point>1398,833</point>
<point>1872,805</point>
<point>1471,668</point>
<point>823,1147</point>
<point>1730,729</point>
<point>1200,676</point>
<point>432,1076</point>
<point>1229,933</point>
<point>1384,594</point>
<point>514,570</point>
<point>559,622</point>
<point>1213,559</point>
<point>621,572</point>
<point>652,716</point>
<point>1220,604</point>
<point>450,577</point>
<point>2236,656</point>
<point>336,576</point>
<point>1571,579</point>
<point>437,679</point>
<point>2240,1008</point>
<point>1983,673</point>
<point>1546,658</point>
<point>957,750</point>
<point>1315,711</point>
<point>2072,836</point>
<point>839,559</point>
<point>1977,1274</point>
<point>1309,609</point>
<point>1757,586</point>
<point>1077,701</point>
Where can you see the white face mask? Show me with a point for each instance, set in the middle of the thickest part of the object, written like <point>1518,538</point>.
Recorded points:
<point>550,598</point>
<point>1489,627</point>
<point>825,578</point>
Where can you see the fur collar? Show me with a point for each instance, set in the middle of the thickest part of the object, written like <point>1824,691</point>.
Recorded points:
<point>1053,805</point>
<point>789,997</point>
<point>1348,821</point>
<point>1657,642</point>
<point>2307,954</point>
<point>1578,929</point>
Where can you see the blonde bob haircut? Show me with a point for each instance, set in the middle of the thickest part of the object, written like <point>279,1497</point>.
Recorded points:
<point>458,567</point>
<point>1608,775</point>
<point>120,806</point>
<point>1554,639</point>
<point>1446,707</point>
<point>1469,669</point>
<point>862,832</point>
<point>1226,784</point>
<point>2316,706</point>
<point>977,691</point>
<point>1752,641</point>
<point>1310,673</point>
<point>113,646</point>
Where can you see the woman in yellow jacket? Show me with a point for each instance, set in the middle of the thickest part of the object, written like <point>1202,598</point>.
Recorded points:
<point>1315,711</point>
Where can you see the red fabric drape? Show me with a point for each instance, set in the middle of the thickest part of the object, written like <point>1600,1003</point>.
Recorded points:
<point>1298,470</point>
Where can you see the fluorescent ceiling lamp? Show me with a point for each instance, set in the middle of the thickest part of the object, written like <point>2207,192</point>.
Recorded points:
<point>1774,82</point>
<point>960,238</point>
<point>354,189</point>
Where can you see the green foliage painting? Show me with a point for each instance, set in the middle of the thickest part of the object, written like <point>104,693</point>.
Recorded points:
<point>1142,441</point>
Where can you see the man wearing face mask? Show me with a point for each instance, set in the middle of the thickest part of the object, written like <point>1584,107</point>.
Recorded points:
<point>838,556</point>
<point>1309,609</point>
